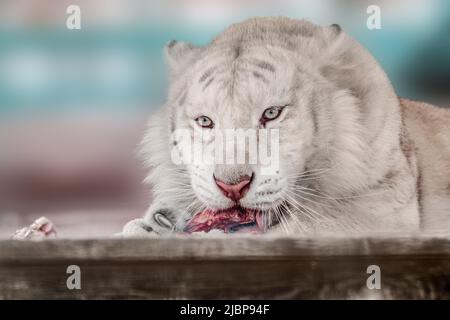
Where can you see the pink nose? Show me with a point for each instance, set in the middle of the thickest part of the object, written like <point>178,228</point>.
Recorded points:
<point>235,191</point>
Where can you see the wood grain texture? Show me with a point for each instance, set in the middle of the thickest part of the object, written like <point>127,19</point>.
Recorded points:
<point>218,268</point>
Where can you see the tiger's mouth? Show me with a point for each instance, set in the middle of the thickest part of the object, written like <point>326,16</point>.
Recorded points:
<point>231,220</point>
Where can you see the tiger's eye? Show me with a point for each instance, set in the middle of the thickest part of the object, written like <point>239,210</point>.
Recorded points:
<point>204,122</point>
<point>271,114</point>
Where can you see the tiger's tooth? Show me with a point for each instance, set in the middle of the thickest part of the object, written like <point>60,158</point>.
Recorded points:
<point>260,221</point>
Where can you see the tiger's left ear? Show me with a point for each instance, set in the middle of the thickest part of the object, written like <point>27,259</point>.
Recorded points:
<point>179,55</point>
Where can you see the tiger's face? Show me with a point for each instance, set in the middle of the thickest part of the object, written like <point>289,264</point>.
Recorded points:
<point>249,91</point>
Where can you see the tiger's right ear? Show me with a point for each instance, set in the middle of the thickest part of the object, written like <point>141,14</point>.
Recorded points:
<point>180,54</point>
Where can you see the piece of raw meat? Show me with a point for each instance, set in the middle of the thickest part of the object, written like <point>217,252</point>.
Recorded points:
<point>236,219</point>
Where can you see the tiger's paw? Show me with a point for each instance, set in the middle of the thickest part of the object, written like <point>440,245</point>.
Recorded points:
<point>40,229</point>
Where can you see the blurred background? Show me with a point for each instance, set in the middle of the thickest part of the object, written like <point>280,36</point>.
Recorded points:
<point>73,103</point>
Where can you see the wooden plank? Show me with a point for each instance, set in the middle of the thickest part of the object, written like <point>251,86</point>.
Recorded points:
<point>218,268</point>
<point>240,247</point>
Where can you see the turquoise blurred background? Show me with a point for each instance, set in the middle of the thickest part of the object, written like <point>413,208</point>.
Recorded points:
<point>115,62</point>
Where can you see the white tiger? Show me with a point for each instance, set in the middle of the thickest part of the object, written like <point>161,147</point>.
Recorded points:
<point>353,156</point>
